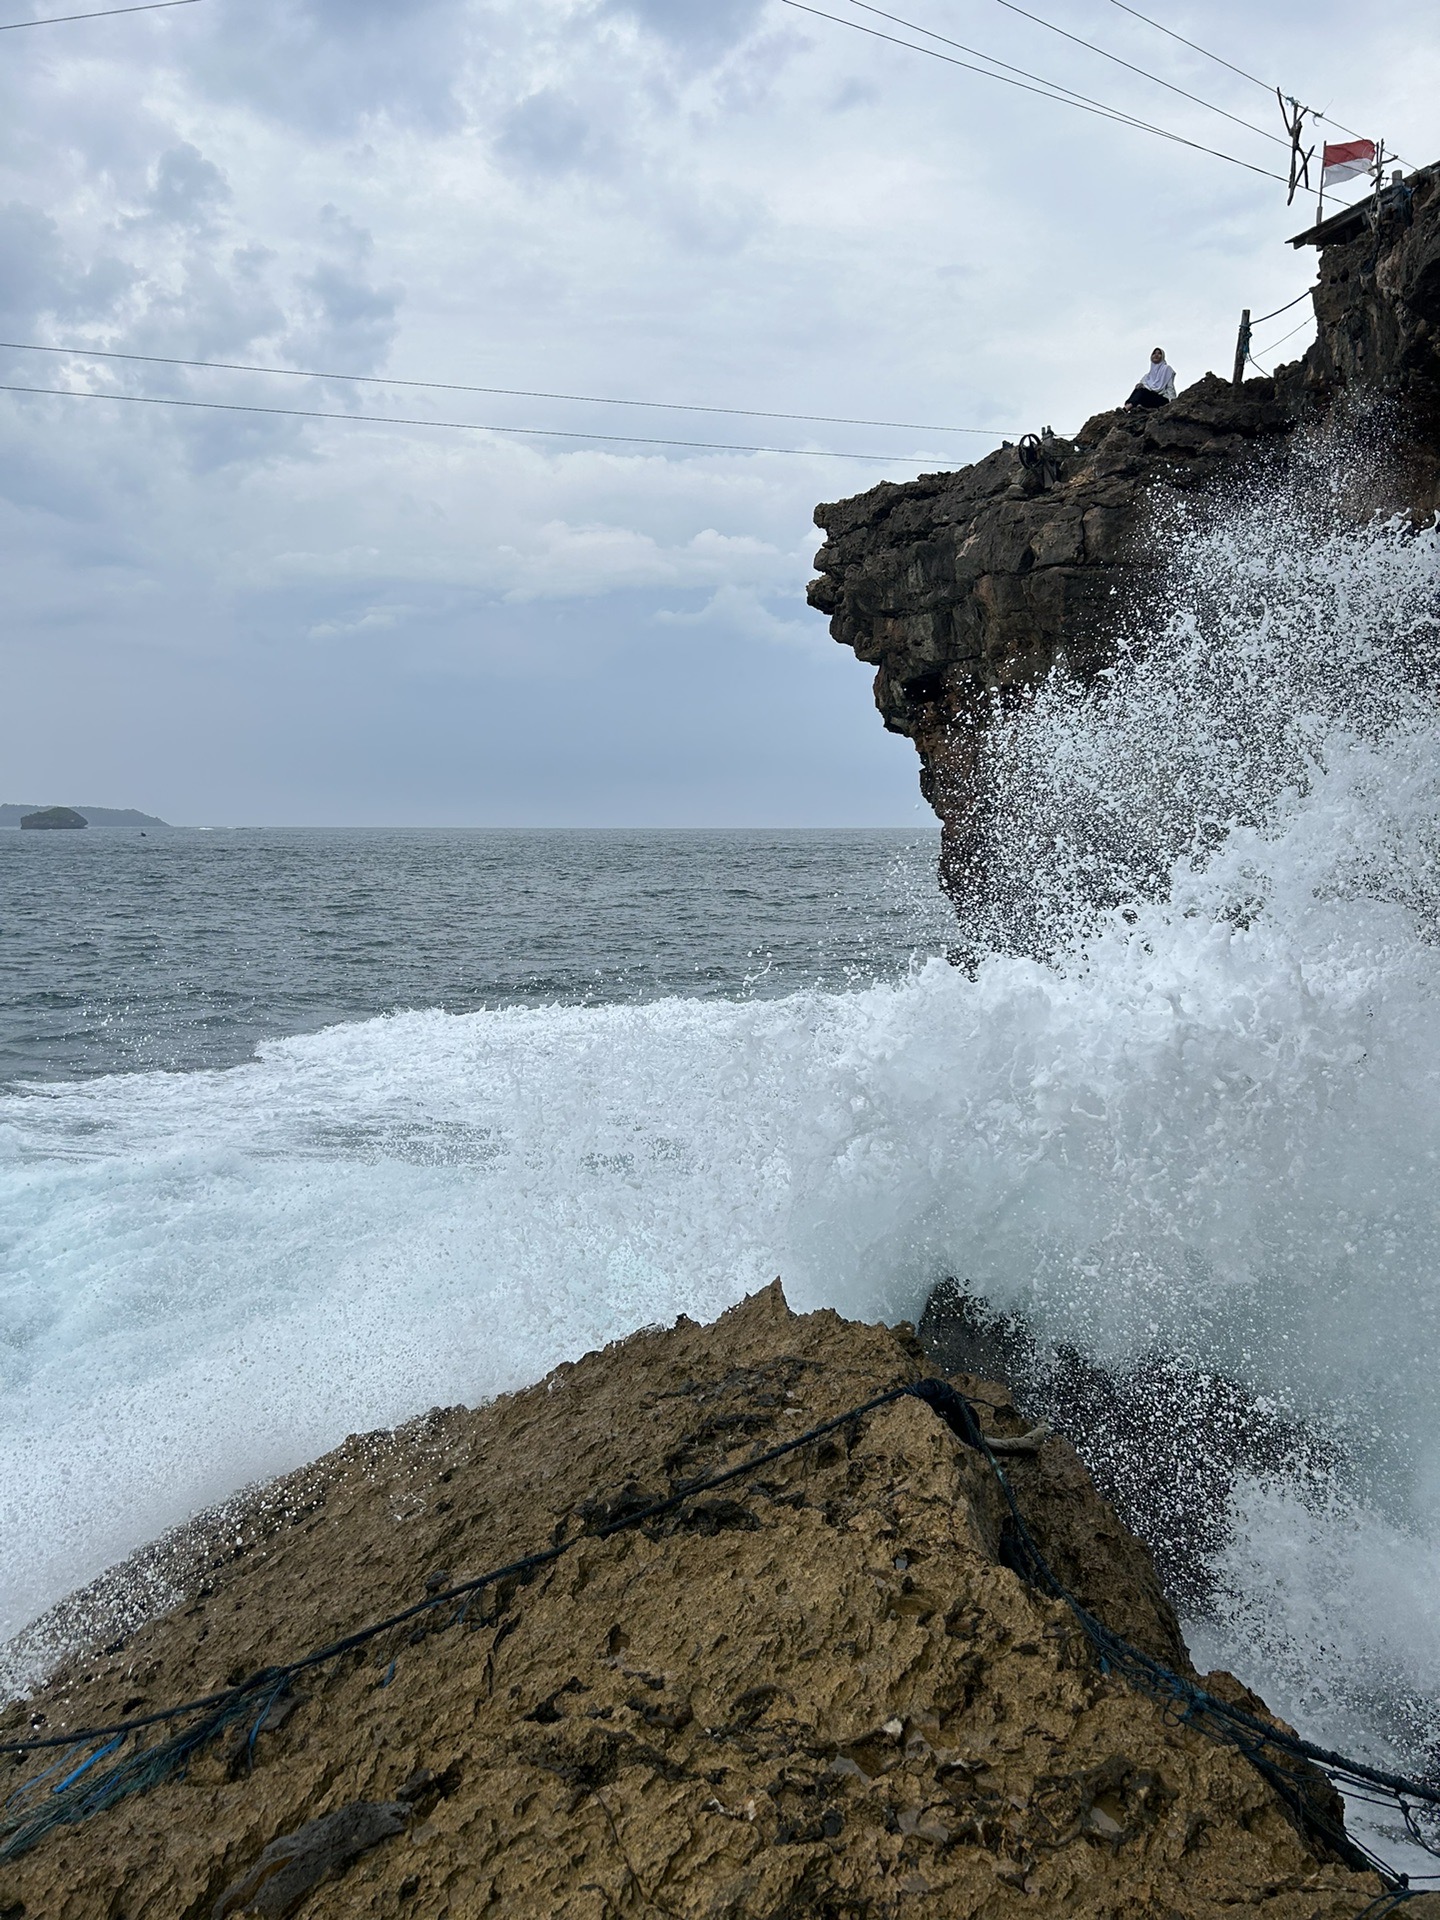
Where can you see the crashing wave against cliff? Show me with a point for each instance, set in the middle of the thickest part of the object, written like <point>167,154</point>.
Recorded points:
<point>967,590</point>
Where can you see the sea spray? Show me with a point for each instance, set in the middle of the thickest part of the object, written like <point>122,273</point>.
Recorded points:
<point>1265,758</point>
<point>1288,638</point>
<point>1200,1121</point>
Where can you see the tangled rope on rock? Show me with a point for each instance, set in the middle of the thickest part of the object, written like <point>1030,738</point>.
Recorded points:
<point>1289,1763</point>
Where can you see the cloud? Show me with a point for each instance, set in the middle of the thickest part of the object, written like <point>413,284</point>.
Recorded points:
<point>705,32</point>
<point>550,134</point>
<point>344,320</point>
<point>741,610</point>
<point>656,200</point>
<point>187,189</point>
<point>329,68</point>
<point>39,275</point>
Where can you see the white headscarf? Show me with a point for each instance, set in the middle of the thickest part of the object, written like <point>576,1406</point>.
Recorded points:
<point>1160,377</point>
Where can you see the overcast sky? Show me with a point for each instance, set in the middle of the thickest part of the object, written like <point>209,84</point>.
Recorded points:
<point>227,618</point>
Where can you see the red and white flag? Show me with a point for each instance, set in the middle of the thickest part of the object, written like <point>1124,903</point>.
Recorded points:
<point>1344,161</point>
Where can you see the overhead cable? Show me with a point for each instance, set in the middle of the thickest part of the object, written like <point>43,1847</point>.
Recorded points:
<point>517,393</point>
<point>1144,72</point>
<point>460,426</point>
<point>1194,46</point>
<point>1047,90</point>
<point>1052,89</point>
<point>1220,61</point>
<point>105,13</point>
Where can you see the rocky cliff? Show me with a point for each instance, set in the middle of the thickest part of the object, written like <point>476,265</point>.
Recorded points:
<point>823,1694</point>
<point>964,589</point>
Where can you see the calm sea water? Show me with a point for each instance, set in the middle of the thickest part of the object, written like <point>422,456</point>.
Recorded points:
<point>186,949</point>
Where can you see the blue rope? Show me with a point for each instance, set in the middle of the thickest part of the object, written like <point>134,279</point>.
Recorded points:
<point>1280,1758</point>
<point>84,1767</point>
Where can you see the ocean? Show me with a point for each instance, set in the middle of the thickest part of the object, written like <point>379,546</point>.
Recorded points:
<point>179,950</point>
<point>304,1133</point>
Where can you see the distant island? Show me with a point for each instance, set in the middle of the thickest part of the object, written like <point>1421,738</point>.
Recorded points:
<point>49,817</point>
<point>81,817</point>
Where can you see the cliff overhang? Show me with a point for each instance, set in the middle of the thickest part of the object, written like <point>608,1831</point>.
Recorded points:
<point>966,589</point>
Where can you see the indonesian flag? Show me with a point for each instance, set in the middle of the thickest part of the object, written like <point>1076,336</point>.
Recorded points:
<point>1343,162</point>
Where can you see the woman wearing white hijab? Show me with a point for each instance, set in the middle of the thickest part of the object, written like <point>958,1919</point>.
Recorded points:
<point>1157,389</point>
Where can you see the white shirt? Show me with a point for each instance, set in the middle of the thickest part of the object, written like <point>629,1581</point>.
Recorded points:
<point>1160,378</point>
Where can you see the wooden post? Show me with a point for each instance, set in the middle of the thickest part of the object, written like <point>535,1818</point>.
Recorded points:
<point>1242,346</point>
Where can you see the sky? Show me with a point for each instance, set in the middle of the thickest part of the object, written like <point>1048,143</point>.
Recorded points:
<point>246,619</point>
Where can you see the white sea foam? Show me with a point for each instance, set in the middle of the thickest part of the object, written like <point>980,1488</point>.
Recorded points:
<point>1209,1124</point>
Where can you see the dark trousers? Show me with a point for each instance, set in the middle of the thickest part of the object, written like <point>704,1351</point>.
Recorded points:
<point>1147,397</point>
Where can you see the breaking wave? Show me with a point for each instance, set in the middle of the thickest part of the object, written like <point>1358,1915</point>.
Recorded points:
<point>1206,1125</point>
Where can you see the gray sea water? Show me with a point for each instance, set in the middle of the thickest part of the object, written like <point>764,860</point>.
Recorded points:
<point>184,950</point>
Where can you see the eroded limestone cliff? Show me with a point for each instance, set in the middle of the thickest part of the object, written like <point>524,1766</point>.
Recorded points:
<point>964,589</point>
<point>821,1695</point>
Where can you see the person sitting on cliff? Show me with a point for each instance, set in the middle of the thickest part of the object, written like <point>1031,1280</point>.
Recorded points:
<point>1157,389</point>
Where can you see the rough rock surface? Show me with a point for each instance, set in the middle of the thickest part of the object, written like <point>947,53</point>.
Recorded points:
<point>822,1694</point>
<point>1377,302</point>
<point>964,589</point>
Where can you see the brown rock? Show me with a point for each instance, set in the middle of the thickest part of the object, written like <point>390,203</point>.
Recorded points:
<point>965,589</point>
<point>829,1698</point>
<point>291,1868</point>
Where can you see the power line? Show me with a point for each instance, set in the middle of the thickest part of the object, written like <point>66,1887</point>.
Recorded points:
<point>1054,88</point>
<point>1047,90</point>
<point>518,393</point>
<point>460,426</point>
<point>1193,45</point>
<point>59,19</point>
<point>1144,72</point>
<point>1220,61</point>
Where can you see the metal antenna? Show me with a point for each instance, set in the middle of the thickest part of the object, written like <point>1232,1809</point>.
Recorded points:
<point>1293,114</point>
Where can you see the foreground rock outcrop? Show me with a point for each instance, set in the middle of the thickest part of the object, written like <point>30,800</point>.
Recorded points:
<point>820,1692</point>
<point>965,589</point>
